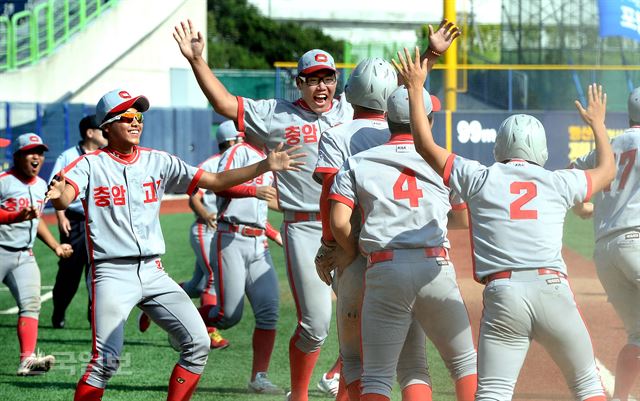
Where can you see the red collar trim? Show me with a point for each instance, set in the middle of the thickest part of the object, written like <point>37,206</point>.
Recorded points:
<point>29,181</point>
<point>369,115</point>
<point>129,158</point>
<point>302,104</point>
<point>400,138</point>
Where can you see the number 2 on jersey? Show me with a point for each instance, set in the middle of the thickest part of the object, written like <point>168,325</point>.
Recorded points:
<point>515,209</point>
<point>411,192</point>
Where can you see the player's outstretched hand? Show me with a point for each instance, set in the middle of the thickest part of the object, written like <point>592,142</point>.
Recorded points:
<point>412,71</point>
<point>190,41</point>
<point>28,213</point>
<point>64,251</point>
<point>596,109</point>
<point>440,40</point>
<point>279,159</point>
<point>56,187</point>
<point>266,192</point>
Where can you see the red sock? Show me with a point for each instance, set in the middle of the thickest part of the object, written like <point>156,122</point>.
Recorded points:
<point>204,313</point>
<point>182,384</point>
<point>597,398</point>
<point>86,392</point>
<point>337,366</point>
<point>416,392</point>
<point>374,397</point>
<point>27,335</point>
<point>208,299</point>
<point>263,342</point>
<point>301,365</point>
<point>343,393</point>
<point>466,387</point>
<point>353,389</point>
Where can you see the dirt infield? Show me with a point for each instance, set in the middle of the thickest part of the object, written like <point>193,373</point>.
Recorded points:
<point>540,379</point>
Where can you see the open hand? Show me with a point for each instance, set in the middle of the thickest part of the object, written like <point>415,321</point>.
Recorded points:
<point>440,40</point>
<point>279,159</point>
<point>190,41</point>
<point>56,187</point>
<point>412,71</point>
<point>596,109</point>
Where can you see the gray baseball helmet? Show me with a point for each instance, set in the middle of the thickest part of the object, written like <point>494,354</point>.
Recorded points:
<point>398,105</point>
<point>371,83</point>
<point>633,105</point>
<point>521,136</point>
<point>226,132</point>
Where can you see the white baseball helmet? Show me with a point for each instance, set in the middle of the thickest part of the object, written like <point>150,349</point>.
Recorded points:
<point>371,83</point>
<point>521,136</point>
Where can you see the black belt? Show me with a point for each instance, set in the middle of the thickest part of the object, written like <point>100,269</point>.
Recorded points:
<point>12,249</point>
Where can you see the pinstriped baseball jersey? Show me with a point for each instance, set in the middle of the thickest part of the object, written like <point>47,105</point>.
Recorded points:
<point>343,141</point>
<point>16,195</point>
<point>403,201</point>
<point>275,121</point>
<point>251,211</point>
<point>122,199</point>
<point>518,211</point>
<point>208,196</point>
<point>66,158</point>
<point>618,207</point>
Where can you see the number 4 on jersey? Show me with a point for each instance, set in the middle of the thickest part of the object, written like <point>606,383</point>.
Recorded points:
<point>406,187</point>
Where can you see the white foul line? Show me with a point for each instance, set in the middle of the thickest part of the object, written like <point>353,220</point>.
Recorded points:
<point>608,380</point>
<point>12,311</point>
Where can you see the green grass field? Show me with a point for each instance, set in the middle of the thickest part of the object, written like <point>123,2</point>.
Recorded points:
<point>147,358</point>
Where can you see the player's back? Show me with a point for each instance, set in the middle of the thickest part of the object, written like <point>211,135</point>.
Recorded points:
<point>517,212</point>
<point>345,140</point>
<point>404,202</point>
<point>618,206</point>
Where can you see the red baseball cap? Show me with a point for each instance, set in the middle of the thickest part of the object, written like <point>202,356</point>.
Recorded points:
<point>315,60</point>
<point>119,100</point>
<point>28,141</point>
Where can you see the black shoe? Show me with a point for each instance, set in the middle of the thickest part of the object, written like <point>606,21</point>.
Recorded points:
<point>57,323</point>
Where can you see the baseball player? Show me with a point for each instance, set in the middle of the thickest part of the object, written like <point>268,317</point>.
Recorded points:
<point>121,187</point>
<point>22,197</point>
<point>517,211</point>
<point>242,263</point>
<point>302,122</point>
<point>203,203</point>
<point>71,226</point>
<point>404,207</point>
<point>617,251</point>
<point>367,89</point>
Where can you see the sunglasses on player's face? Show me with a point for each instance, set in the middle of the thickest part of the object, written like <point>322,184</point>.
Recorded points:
<point>127,117</point>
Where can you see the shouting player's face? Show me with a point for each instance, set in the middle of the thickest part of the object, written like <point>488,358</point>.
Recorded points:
<point>29,162</point>
<point>318,89</point>
<point>124,133</point>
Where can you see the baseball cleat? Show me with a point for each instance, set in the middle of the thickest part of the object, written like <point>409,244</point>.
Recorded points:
<point>143,322</point>
<point>262,385</point>
<point>35,365</point>
<point>287,397</point>
<point>217,341</point>
<point>329,386</point>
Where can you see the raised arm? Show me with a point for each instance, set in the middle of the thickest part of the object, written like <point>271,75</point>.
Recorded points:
<point>192,43</point>
<point>439,42</point>
<point>594,115</point>
<point>414,73</point>
<point>277,160</point>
